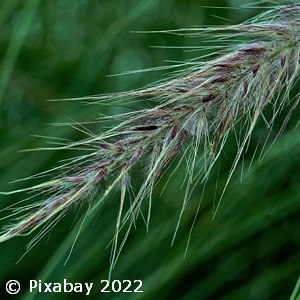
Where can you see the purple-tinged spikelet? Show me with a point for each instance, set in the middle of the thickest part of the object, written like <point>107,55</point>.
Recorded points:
<point>197,109</point>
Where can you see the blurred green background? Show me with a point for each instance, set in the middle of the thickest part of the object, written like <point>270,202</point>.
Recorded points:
<point>63,49</point>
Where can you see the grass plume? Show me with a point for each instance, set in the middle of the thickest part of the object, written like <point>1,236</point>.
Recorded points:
<point>193,112</point>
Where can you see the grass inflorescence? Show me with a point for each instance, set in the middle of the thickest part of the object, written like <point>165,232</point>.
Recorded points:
<point>192,114</point>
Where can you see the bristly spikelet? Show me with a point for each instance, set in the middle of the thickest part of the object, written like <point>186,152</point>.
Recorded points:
<point>197,109</point>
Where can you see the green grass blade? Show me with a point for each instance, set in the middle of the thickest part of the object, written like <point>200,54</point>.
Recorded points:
<point>13,50</point>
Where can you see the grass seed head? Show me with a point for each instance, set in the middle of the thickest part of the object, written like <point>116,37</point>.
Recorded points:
<point>195,110</point>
